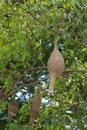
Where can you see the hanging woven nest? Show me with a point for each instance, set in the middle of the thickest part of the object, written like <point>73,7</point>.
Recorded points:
<point>35,106</point>
<point>12,109</point>
<point>55,66</point>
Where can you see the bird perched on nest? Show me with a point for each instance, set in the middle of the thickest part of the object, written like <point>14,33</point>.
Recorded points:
<point>12,109</point>
<point>55,66</point>
<point>35,106</point>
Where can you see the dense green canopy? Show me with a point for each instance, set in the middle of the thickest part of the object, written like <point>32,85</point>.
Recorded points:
<point>27,31</point>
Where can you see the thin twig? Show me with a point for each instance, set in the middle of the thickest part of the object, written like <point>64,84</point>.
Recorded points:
<point>44,25</point>
<point>79,43</point>
<point>48,116</point>
<point>74,70</point>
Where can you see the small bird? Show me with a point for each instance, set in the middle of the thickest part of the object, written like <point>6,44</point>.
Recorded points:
<point>55,66</point>
<point>12,109</point>
<point>35,106</point>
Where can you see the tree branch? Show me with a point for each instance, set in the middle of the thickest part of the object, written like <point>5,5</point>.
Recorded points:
<point>42,23</point>
<point>37,68</point>
<point>50,29</point>
<point>74,70</point>
<point>65,71</point>
<point>38,81</point>
<point>24,85</point>
<point>79,43</point>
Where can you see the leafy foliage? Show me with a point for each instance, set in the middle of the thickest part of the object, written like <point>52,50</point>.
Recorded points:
<point>27,31</point>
